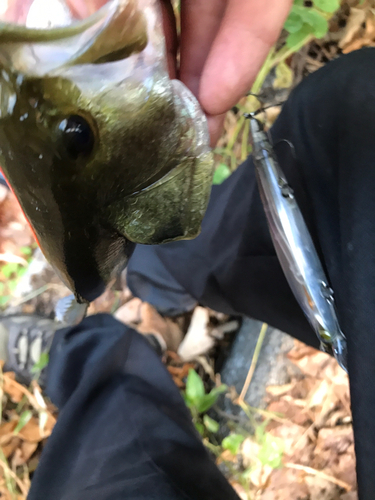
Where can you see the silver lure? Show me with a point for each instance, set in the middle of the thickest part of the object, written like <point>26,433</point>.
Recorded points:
<point>294,247</point>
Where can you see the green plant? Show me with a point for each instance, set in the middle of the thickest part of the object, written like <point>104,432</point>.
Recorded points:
<point>11,273</point>
<point>39,366</point>
<point>222,172</point>
<point>303,24</point>
<point>269,449</point>
<point>305,21</point>
<point>233,443</point>
<point>199,402</point>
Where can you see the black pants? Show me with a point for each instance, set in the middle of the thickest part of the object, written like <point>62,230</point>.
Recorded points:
<point>123,431</point>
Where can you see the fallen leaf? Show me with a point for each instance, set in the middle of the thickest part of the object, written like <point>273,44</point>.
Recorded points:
<point>164,328</point>
<point>9,448</point>
<point>31,431</point>
<point>353,26</point>
<point>130,313</point>
<point>278,390</point>
<point>23,453</point>
<point>13,388</point>
<point>350,495</point>
<point>321,489</point>
<point>197,340</point>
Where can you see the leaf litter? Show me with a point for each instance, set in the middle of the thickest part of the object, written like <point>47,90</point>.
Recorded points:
<point>302,448</point>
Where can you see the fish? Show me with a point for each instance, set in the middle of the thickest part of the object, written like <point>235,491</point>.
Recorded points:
<point>102,149</point>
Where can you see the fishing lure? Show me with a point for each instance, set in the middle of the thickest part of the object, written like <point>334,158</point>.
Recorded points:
<point>102,149</point>
<point>294,246</point>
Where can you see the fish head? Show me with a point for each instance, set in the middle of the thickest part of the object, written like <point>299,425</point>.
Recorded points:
<point>102,149</point>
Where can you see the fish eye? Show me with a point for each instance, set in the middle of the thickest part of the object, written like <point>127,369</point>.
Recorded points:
<point>78,137</point>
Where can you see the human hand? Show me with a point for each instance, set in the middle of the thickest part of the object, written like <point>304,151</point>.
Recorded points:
<point>222,47</point>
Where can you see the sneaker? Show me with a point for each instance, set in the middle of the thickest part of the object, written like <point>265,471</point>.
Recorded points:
<point>23,339</point>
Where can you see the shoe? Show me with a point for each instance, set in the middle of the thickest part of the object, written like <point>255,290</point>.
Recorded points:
<point>25,337</point>
<point>23,340</point>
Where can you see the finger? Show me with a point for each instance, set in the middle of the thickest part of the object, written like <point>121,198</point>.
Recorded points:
<point>171,39</point>
<point>215,127</point>
<point>248,31</point>
<point>200,22</point>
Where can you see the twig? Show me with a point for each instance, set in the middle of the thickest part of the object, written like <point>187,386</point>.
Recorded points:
<point>314,472</point>
<point>33,294</point>
<point>267,414</point>
<point>8,472</point>
<point>254,362</point>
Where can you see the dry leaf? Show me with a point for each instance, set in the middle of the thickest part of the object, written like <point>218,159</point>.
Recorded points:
<point>23,453</point>
<point>319,394</point>
<point>11,446</point>
<point>130,313</point>
<point>350,495</point>
<point>321,489</point>
<point>31,431</point>
<point>144,318</point>
<point>286,484</point>
<point>6,431</point>
<point>278,390</point>
<point>353,26</point>
<point>164,328</point>
<point>290,411</point>
<point>13,388</point>
<point>197,340</point>
<point>104,303</point>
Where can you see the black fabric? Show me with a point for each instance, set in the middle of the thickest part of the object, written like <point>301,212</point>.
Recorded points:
<point>232,267</point>
<point>123,431</point>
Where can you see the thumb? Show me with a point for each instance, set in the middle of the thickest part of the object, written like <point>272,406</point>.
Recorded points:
<point>248,31</point>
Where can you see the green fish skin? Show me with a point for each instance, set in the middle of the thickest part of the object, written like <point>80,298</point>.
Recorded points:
<point>102,149</point>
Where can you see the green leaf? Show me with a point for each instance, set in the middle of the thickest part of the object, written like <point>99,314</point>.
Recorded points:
<point>210,399</point>
<point>21,272</point>
<point>211,424</point>
<point>296,40</point>
<point>41,364</point>
<point>294,22</point>
<point>284,76</point>
<point>4,299</point>
<point>9,269</point>
<point>24,418</point>
<point>194,388</point>
<point>329,6</point>
<point>271,452</point>
<point>222,172</point>
<point>317,22</point>
<point>12,284</point>
<point>26,251</point>
<point>233,443</point>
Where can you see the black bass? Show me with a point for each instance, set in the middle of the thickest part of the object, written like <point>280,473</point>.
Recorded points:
<point>102,149</point>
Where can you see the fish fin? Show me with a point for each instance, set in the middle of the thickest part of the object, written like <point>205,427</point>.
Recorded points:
<point>17,33</point>
<point>122,34</point>
<point>69,311</point>
<point>114,32</point>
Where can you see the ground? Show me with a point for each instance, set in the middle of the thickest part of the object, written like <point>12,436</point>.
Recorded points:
<point>299,445</point>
